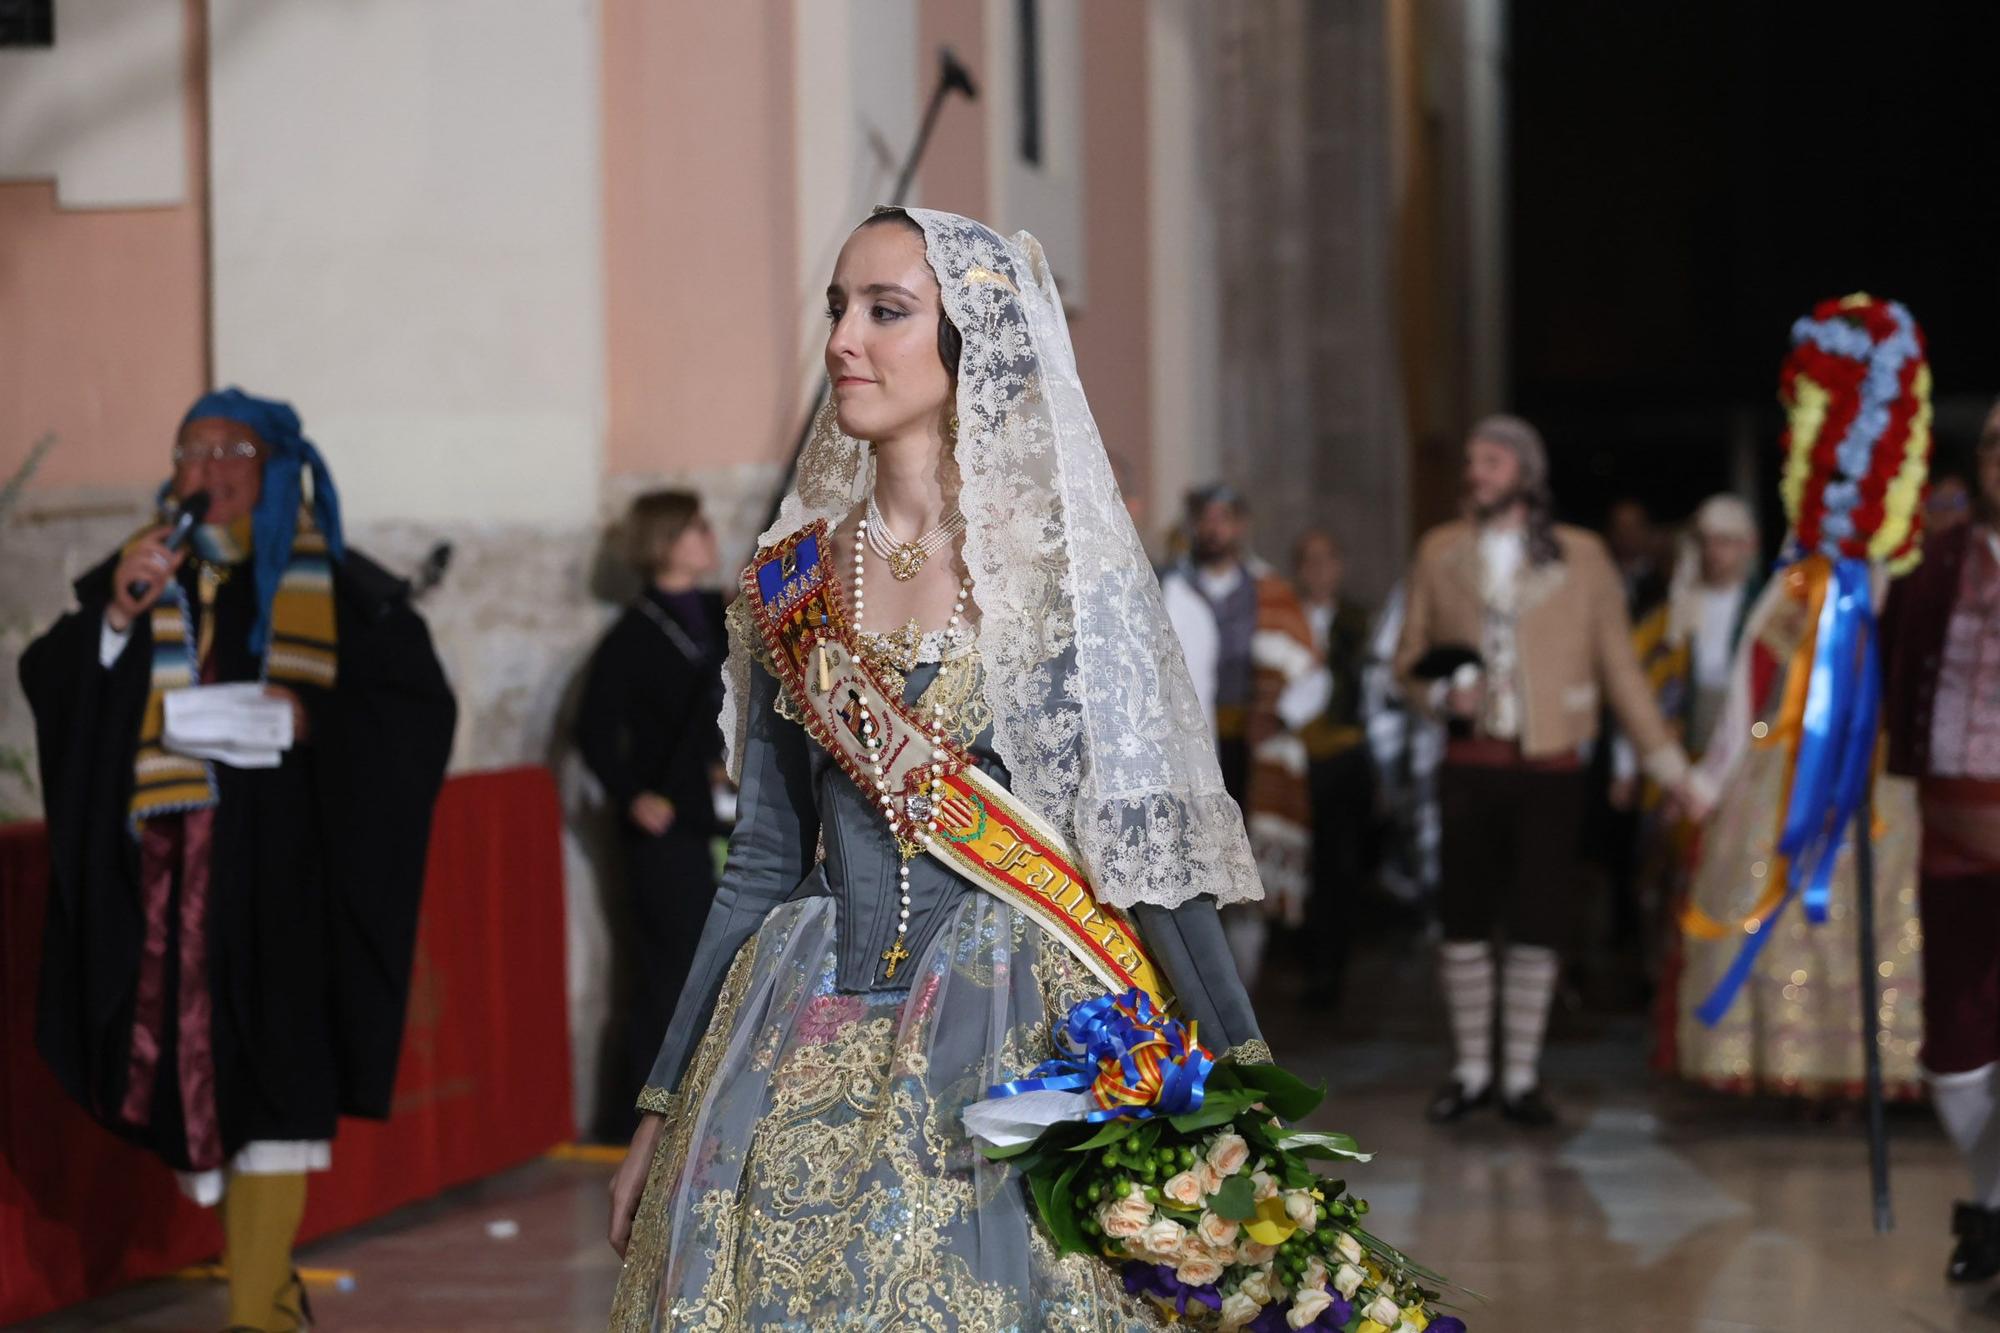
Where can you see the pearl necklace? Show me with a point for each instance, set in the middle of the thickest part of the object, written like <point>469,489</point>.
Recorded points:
<point>907,559</point>
<point>920,810</point>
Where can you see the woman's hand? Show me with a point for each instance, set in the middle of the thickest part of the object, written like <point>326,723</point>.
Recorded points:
<point>148,562</point>
<point>652,812</point>
<point>630,1183</point>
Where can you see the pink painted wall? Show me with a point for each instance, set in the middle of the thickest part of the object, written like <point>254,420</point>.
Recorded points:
<point>701,319</point>
<point>953,176</point>
<point>104,319</point>
<point>1113,332</point>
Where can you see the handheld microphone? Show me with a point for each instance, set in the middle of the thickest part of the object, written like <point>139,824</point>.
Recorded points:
<point>193,510</point>
<point>432,572</point>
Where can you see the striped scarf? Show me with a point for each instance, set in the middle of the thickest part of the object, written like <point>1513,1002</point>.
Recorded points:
<point>303,651</point>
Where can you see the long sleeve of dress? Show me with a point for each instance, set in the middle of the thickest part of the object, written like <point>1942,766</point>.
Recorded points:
<point>1188,945</point>
<point>777,826</point>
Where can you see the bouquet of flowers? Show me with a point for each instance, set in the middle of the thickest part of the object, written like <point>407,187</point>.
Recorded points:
<point>1139,1146</point>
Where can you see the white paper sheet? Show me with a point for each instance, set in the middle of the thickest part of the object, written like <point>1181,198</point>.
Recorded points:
<point>236,724</point>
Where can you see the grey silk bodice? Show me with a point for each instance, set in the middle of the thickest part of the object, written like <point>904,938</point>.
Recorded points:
<point>795,800</point>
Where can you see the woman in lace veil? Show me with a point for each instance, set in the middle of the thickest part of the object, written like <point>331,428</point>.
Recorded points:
<point>801,1160</point>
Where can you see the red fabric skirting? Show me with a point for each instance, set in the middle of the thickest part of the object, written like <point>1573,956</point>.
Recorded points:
<point>484,1081</point>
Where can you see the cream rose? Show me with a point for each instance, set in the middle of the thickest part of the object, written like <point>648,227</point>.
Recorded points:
<point>1228,1154</point>
<point>1184,1189</point>
<point>1239,1309</point>
<point>1198,1270</point>
<point>1347,1280</point>
<point>1263,1186</point>
<point>1218,1231</point>
<point>1307,1306</point>
<point>1253,1252</point>
<point>1302,1209</point>
<point>1315,1274</point>
<point>1125,1218</point>
<point>1258,1287</point>
<point>1165,1241</point>
<point>1347,1247</point>
<point>1210,1178</point>
<point>1384,1312</point>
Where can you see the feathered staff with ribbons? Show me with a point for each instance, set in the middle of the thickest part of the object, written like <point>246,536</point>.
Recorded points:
<point>1856,390</point>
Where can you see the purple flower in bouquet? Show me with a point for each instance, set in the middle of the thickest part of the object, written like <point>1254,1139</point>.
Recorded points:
<point>1447,1323</point>
<point>1158,1280</point>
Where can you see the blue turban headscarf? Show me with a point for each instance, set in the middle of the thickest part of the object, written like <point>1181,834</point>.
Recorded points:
<point>275,520</point>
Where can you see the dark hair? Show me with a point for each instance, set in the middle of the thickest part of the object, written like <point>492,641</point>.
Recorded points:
<point>951,344</point>
<point>1216,492</point>
<point>652,526</point>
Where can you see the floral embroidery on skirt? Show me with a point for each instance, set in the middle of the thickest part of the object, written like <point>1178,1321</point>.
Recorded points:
<point>816,1176</point>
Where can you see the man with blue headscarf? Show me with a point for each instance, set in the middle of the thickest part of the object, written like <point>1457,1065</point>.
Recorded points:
<point>227,953</point>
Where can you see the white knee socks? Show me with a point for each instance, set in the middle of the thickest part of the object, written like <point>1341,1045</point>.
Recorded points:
<point>1467,969</point>
<point>1529,985</point>
<point>1965,1103</point>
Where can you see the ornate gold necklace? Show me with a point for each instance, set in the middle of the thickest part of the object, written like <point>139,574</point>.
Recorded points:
<point>907,559</point>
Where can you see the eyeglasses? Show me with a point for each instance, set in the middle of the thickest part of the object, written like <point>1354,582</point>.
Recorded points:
<point>242,451</point>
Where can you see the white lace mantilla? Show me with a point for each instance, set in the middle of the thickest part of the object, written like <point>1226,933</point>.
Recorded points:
<point>1094,710</point>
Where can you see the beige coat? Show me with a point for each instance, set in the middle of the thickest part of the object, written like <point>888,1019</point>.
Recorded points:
<point>1573,638</point>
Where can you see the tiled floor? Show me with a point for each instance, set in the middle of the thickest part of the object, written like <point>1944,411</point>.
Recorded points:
<point>1652,1210</point>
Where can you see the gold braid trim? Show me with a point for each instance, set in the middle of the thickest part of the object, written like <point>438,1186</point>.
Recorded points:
<point>658,1101</point>
<point>1252,1052</point>
<point>638,1295</point>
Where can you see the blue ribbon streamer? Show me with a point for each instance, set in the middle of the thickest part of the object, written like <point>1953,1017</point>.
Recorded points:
<point>1833,767</point>
<point>1113,1028</point>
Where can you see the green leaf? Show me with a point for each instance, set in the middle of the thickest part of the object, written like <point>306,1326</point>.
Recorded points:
<point>1112,1132</point>
<point>1288,1096</point>
<point>1235,1201</point>
<point>1332,1147</point>
<point>1061,1212</point>
<point>1301,1138</point>
<point>1218,1108</point>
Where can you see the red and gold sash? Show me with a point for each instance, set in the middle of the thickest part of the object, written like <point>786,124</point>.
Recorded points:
<point>935,799</point>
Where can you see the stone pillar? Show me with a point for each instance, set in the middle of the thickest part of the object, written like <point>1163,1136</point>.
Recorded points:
<point>1312,419</point>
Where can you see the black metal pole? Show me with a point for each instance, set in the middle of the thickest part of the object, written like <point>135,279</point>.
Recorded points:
<point>953,77</point>
<point>1871,1020</point>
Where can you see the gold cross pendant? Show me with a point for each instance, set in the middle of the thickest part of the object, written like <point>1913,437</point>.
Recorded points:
<point>895,956</point>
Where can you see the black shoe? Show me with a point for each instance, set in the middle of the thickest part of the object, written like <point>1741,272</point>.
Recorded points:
<point>1977,1255</point>
<point>1451,1104</point>
<point>1529,1110</point>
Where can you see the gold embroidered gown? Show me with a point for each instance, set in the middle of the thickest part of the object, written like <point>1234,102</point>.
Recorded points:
<point>813,1173</point>
<point>1795,1027</point>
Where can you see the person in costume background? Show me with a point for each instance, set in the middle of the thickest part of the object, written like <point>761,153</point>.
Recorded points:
<point>801,1161</point>
<point>1685,646</point>
<point>1340,766</point>
<point>646,727</point>
<point>227,952</point>
<point>1539,608</point>
<point>1782,1013</point>
<point>1941,631</point>
<point>1270,683</point>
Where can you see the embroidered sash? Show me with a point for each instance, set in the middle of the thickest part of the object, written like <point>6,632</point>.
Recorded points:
<point>974,825</point>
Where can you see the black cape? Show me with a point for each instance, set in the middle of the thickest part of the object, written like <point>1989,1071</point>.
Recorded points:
<point>317,869</point>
